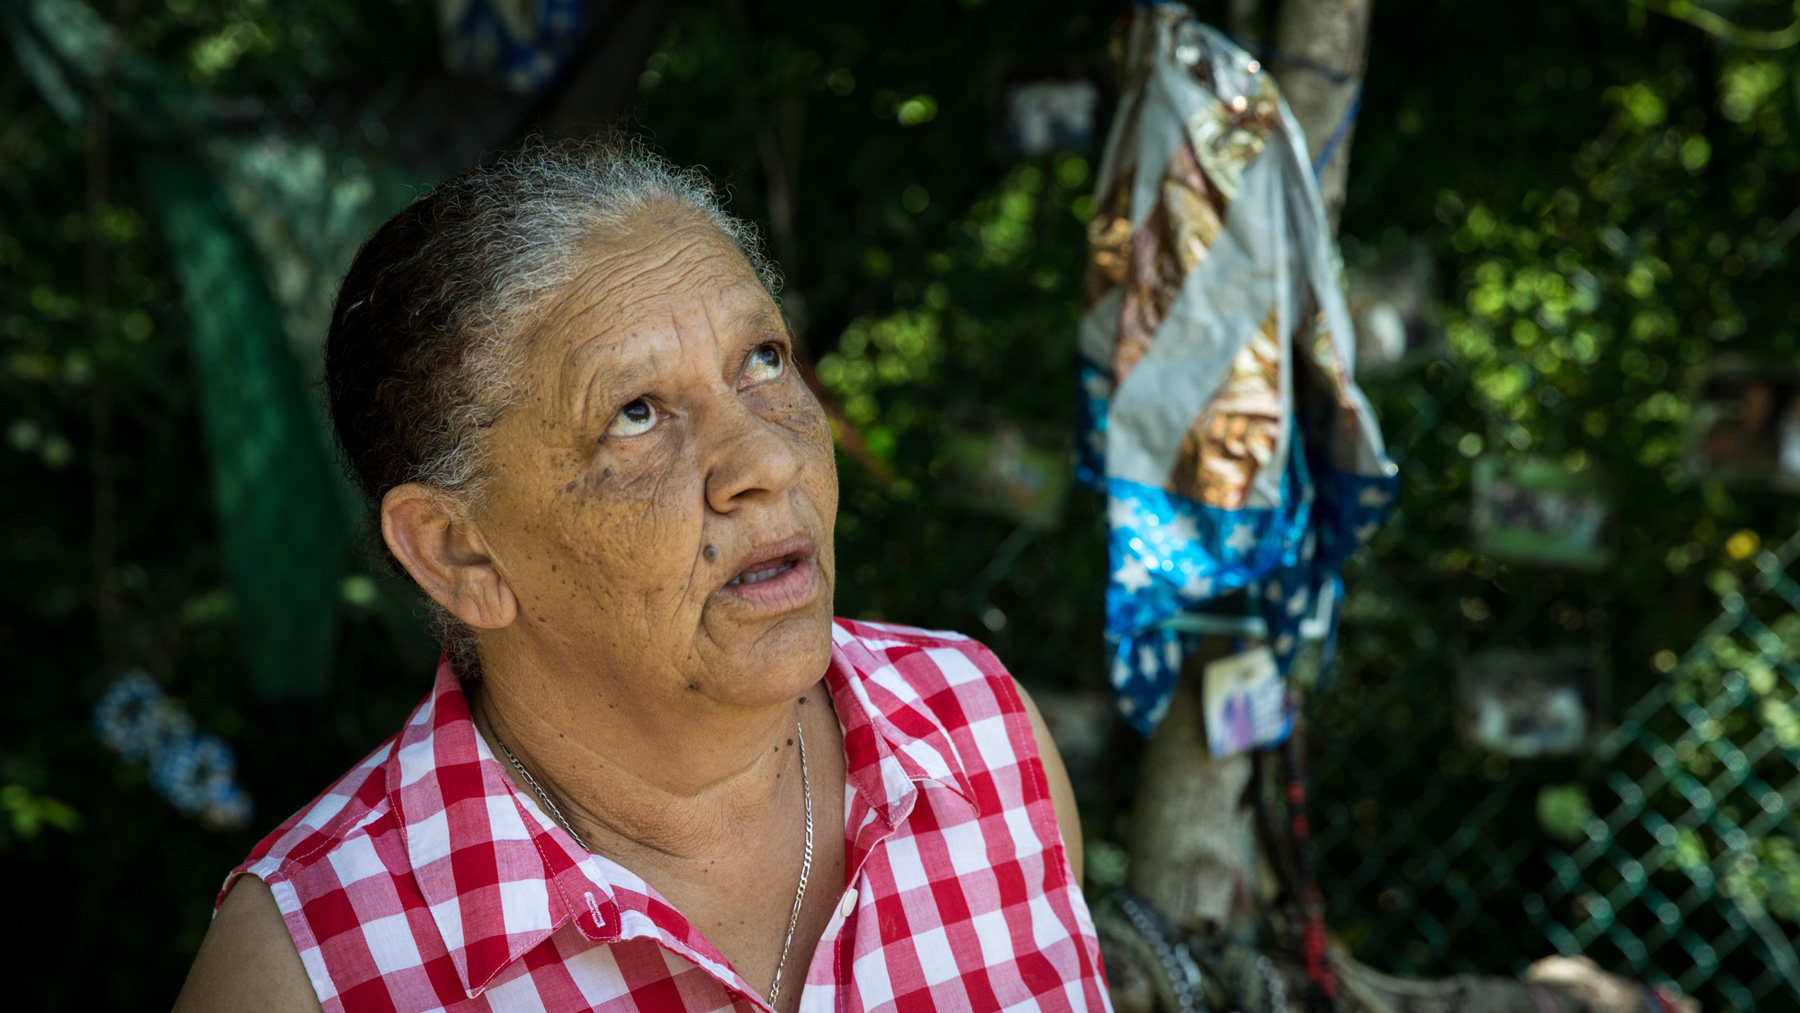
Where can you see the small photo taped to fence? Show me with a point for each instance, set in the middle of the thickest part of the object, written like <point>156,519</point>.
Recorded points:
<point>1535,510</point>
<point>1001,474</point>
<point>1525,705</point>
<point>1246,703</point>
<point>1745,428</point>
<point>1390,298</point>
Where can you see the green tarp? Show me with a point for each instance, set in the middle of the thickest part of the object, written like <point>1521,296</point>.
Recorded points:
<point>260,226</point>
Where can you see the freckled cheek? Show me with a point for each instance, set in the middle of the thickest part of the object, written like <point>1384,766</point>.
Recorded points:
<point>635,535</point>
<point>819,484</point>
<point>798,412</point>
<point>804,419</point>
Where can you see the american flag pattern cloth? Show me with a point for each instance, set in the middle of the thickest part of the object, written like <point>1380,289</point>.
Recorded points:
<point>1223,420</point>
<point>423,880</point>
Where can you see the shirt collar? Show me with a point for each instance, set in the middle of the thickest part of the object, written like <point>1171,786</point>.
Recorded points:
<point>494,876</point>
<point>499,877</point>
<point>893,741</point>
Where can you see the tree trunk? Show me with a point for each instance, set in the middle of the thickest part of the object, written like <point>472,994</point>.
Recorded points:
<point>1195,854</point>
<point>1332,37</point>
<point>1195,849</point>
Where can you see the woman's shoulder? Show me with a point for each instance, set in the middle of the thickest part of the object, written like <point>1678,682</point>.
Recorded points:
<point>342,812</point>
<point>897,671</point>
<point>946,701</point>
<point>924,659</point>
<point>248,960</point>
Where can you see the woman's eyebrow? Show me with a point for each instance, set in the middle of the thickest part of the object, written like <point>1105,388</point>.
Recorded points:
<point>760,319</point>
<point>595,372</point>
<point>616,380</point>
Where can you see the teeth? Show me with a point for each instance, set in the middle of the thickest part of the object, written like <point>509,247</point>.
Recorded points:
<point>758,576</point>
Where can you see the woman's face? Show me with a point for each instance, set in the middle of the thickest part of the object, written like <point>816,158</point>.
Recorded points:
<point>663,498</point>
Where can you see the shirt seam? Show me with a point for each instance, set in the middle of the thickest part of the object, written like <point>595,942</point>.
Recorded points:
<point>1037,778</point>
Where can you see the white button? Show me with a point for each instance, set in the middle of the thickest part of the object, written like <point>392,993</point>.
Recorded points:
<point>849,903</point>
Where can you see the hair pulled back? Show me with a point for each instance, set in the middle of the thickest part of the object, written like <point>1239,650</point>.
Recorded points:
<point>430,328</point>
<point>427,336</point>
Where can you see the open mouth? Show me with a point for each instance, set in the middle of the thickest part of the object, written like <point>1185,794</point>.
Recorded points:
<point>765,571</point>
<point>779,577</point>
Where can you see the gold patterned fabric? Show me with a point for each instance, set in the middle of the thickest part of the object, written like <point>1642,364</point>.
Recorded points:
<point>1235,451</point>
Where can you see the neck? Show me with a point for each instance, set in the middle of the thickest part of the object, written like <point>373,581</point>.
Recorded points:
<point>673,781</point>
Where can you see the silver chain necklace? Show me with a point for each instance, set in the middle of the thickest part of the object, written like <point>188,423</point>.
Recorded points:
<point>805,861</point>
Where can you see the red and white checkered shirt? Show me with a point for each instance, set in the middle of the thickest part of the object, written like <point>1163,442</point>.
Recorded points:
<point>424,881</point>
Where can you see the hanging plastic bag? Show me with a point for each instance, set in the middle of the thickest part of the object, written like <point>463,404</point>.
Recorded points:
<point>1234,449</point>
<point>521,44</point>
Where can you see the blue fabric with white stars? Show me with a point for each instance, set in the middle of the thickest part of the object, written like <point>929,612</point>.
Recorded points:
<point>1170,554</point>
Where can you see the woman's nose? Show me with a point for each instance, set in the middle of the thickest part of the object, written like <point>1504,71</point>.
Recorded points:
<point>752,457</point>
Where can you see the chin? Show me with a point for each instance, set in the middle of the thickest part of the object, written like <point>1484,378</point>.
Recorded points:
<point>776,664</point>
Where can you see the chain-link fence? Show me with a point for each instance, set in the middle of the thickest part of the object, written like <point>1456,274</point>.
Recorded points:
<point>1667,850</point>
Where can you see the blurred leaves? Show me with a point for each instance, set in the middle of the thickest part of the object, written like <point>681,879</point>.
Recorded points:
<point>28,814</point>
<point>1735,34</point>
<point>1611,198</point>
<point>1610,222</point>
<point>1563,811</point>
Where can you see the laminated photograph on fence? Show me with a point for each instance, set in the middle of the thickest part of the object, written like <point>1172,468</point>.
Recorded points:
<point>1745,426</point>
<point>1525,705</point>
<point>1246,703</point>
<point>1533,510</point>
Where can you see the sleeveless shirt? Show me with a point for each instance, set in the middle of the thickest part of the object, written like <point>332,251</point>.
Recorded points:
<point>423,880</point>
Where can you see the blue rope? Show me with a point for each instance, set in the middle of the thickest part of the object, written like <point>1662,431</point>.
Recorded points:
<point>1269,54</point>
<point>1338,134</point>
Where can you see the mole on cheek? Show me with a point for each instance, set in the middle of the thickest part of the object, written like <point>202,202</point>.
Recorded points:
<point>712,553</point>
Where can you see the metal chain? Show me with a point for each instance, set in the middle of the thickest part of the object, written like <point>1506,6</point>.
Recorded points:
<point>805,869</point>
<point>543,796</point>
<point>1179,968</point>
<point>1275,991</point>
<point>806,860</point>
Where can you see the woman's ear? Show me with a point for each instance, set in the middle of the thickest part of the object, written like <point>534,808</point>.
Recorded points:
<point>444,552</point>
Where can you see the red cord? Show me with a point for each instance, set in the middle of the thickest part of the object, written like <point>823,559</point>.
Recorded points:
<point>1319,971</point>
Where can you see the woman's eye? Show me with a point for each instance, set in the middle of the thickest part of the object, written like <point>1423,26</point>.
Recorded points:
<point>634,419</point>
<point>765,363</point>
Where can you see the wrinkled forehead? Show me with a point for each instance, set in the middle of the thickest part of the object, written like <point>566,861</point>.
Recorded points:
<point>667,280</point>
<point>655,258</point>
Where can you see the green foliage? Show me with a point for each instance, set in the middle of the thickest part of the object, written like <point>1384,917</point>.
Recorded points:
<point>1613,212</point>
<point>28,814</point>
<point>261,49</point>
<point>1563,811</point>
<point>936,282</point>
<point>130,867</point>
<point>1610,203</point>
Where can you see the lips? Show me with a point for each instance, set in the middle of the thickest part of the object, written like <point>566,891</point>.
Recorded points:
<point>768,573</point>
<point>775,576</point>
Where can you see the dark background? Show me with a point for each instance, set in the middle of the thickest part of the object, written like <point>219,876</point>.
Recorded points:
<point>1605,197</point>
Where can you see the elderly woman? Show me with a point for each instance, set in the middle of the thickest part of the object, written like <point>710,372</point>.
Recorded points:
<point>653,772</point>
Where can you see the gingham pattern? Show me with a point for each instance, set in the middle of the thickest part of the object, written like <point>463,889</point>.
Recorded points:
<point>423,881</point>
